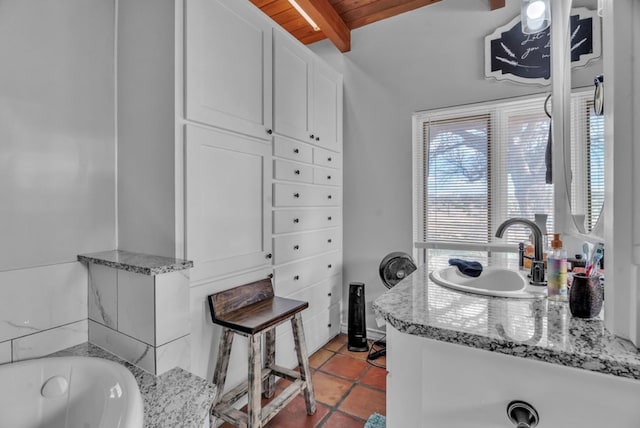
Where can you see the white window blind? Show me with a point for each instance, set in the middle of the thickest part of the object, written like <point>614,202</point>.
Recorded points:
<point>476,166</point>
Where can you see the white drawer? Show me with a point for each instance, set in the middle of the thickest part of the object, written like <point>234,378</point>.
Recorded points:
<point>327,176</point>
<point>318,295</point>
<point>285,221</point>
<point>324,157</point>
<point>300,245</point>
<point>292,277</point>
<point>290,149</point>
<point>299,195</point>
<point>292,171</point>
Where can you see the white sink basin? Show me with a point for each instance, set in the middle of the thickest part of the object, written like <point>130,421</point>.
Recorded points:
<point>493,281</point>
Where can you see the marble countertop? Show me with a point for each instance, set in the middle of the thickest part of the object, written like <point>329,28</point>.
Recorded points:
<point>177,398</point>
<point>537,329</point>
<point>135,262</point>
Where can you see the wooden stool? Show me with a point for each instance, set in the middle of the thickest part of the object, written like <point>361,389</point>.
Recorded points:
<point>251,310</point>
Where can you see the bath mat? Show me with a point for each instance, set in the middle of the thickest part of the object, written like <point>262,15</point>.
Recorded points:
<point>376,421</point>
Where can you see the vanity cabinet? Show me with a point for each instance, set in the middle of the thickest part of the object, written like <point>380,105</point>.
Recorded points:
<point>307,95</point>
<point>228,66</point>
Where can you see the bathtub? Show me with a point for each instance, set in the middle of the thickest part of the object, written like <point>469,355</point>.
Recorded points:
<point>69,392</point>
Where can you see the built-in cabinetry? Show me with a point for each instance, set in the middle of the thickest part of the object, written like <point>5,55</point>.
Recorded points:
<point>262,132</point>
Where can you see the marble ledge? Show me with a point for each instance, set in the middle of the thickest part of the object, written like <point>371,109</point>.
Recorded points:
<point>144,264</point>
<point>177,398</point>
<point>536,329</point>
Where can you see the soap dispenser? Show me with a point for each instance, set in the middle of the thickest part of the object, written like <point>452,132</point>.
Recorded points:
<point>557,270</point>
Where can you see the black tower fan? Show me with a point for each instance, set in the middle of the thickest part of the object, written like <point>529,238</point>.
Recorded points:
<point>357,326</point>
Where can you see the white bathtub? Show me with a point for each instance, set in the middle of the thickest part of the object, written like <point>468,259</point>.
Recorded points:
<point>69,392</point>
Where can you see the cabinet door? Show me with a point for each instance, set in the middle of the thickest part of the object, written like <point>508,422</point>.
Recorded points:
<point>228,66</point>
<point>228,202</point>
<point>292,88</point>
<point>327,107</point>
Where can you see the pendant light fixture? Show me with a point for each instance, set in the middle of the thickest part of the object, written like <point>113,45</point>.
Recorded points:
<point>535,16</point>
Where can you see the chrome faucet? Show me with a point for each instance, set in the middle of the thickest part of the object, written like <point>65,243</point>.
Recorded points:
<point>537,264</point>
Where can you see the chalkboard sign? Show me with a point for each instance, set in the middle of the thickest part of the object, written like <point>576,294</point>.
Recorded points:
<point>526,58</point>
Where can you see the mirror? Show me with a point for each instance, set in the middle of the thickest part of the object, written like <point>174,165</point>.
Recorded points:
<point>584,156</point>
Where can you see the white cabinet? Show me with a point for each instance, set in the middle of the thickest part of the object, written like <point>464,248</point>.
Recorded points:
<point>228,202</point>
<point>228,66</point>
<point>307,96</point>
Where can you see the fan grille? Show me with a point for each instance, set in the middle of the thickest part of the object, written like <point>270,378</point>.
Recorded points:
<point>395,267</point>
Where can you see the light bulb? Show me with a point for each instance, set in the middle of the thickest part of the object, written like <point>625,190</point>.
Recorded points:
<point>536,10</point>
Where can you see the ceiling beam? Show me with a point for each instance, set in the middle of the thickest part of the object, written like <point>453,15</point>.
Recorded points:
<point>381,9</point>
<point>329,22</point>
<point>496,4</point>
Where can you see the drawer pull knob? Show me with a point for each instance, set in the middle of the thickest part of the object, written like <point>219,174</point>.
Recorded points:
<point>269,256</point>
<point>329,294</point>
<point>317,138</point>
<point>296,172</point>
<point>329,159</point>
<point>329,240</point>
<point>312,136</point>
<point>269,131</point>
<point>296,151</point>
<point>296,247</point>
<point>297,277</point>
<point>296,220</point>
<point>328,177</point>
<point>329,266</point>
<point>329,325</point>
<point>329,196</point>
<point>296,195</point>
<point>329,218</point>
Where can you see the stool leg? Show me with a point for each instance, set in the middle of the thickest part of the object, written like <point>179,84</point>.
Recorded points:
<point>270,360</point>
<point>220,374</point>
<point>254,407</point>
<point>303,360</point>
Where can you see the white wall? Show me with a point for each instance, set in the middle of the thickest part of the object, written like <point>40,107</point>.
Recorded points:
<point>57,166</point>
<point>146,126</point>
<point>429,58</point>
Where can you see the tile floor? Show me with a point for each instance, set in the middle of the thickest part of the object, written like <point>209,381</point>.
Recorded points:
<point>348,389</point>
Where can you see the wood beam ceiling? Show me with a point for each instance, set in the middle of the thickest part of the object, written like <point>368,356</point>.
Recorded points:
<point>336,18</point>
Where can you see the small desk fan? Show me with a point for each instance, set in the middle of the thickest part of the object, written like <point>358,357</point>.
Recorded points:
<point>394,267</point>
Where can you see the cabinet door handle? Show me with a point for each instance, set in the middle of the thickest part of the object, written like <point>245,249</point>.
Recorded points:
<point>329,266</point>
<point>312,136</point>
<point>329,159</point>
<point>296,151</point>
<point>296,195</point>
<point>329,325</point>
<point>296,247</point>
<point>329,240</point>
<point>328,177</point>
<point>269,131</point>
<point>296,220</point>
<point>296,172</point>
<point>269,256</point>
<point>329,196</point>
<point>317,138</point>
<point>297,277</point>
<point>329,294</point>
<point>329,218</point>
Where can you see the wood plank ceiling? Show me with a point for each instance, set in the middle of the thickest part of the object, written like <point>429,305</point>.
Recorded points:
<point>336,18</point>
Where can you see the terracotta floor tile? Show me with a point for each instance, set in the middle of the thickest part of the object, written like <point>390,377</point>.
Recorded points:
<point>357,355</point>
<point>375,377</point>
<point>294,415</point>
<point>336,343</point>
<point>342,420</point>
<point>363,401</point>
<point>345,366</point>
<point>319,358</point>
<point>329,389</point>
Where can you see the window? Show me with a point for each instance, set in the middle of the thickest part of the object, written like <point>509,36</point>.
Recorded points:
<point>476,166</point>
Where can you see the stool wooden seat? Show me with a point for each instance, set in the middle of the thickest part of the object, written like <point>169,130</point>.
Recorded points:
<point>252,310</point>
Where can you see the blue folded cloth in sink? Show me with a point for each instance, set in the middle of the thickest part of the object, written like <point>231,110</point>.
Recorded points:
<point>466,267</point>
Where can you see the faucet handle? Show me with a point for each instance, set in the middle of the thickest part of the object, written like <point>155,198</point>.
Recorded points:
<point>537,273</point>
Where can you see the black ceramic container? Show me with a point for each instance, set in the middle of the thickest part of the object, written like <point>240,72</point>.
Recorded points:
<point>585,297</point>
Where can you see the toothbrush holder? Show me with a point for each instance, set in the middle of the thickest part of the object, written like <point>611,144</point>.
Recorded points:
<point>585,297</point>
